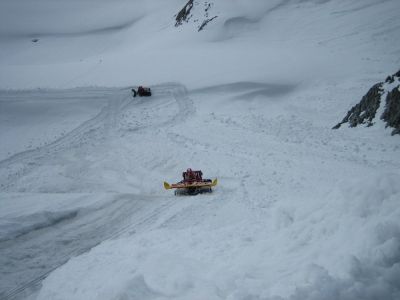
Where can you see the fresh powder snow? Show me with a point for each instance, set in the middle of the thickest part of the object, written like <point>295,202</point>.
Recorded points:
<point>300,211</point>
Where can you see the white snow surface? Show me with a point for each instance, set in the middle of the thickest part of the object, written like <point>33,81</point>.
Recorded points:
<point>301,211</point>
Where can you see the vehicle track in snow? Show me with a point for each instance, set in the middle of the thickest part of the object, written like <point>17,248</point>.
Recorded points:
<point>153,114</point>
<point>42,251</point>
<point>95,130</point>
<point>31,257</point>
<point>22,163</point>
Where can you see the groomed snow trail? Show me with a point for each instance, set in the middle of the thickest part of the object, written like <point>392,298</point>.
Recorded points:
<point>300,212</point>
<point>291,190</point>
<point>72,198</point>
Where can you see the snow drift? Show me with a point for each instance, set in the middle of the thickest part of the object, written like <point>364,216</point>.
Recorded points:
<point>343,246</point>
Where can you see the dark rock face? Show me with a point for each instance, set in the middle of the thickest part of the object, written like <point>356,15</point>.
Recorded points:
<point>365,111</point>
<point>196,12</point>
<point>205,22</point>
<point>391,79</point>
<point>184,14</point>
<point>391,115</point>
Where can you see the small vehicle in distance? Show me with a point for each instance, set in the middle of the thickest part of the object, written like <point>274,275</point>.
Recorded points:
<point>142,92</point>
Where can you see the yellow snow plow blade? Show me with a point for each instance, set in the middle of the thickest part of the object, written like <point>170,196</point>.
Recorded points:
<point>182,185</point>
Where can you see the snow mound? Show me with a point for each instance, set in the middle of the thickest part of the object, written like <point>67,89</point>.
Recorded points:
<point>345,246</point>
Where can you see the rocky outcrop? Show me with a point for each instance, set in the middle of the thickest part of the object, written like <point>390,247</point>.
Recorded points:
<point>205,22</point>
<point>384,93</point>
<point>365,111</point>
<point>198,13</point>
<point>391,115</point>
<point>184,14</point>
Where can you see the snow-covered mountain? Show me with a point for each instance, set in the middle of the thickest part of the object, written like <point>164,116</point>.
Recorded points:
<point>125,42</point>
<point>301,211</point>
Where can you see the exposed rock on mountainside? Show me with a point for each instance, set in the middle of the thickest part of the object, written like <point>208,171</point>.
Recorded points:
<point>384,93</point>
<point>192,12</point>
<point>184,14</point>
<point>365,111</point>
<point>205,22</point>
<point>391,115</point>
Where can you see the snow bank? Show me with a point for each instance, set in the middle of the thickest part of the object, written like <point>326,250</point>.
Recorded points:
<point>345,246</point>
<point>365,217</point>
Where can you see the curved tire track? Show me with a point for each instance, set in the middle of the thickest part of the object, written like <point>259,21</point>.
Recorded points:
<point>100,126</point>
<point>95,130</point>
<point>144,216</point>
<point>96,126</point>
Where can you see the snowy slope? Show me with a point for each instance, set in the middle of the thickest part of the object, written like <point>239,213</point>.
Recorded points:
<point>301,211</point>
<point>136,41</point>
